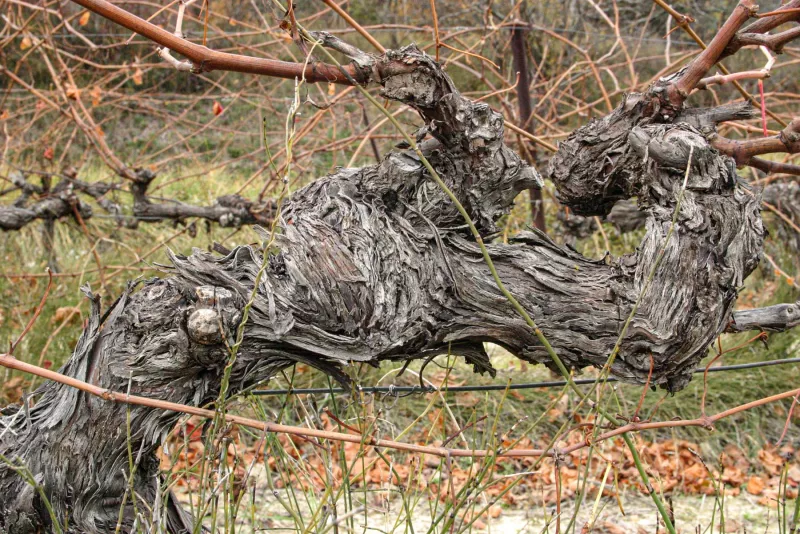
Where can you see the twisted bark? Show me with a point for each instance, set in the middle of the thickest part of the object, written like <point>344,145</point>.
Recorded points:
<point>375,264</point>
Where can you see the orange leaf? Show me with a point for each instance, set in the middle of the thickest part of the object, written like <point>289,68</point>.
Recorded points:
<point>49,153</point>
<point>84,20</point>
<point>97,95</point>
<point>73,93</point>
<point>25,43</point>
<point>217,108</point>
<point>137,76</point>
<point>755,485</point>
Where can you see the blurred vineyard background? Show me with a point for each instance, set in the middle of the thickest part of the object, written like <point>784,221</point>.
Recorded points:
<point>83,99</point>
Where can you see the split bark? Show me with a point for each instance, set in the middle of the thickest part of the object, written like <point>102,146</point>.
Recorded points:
<point>375,264</point>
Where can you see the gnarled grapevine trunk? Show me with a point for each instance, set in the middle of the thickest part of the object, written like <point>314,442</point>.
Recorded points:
<point>375,264</point>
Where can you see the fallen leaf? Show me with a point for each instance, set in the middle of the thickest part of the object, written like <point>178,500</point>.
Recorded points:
<point>66,312</point>
<point>731,525</point>
<point>13,389</point>
<point>755,486</point>
<point>49,153</point>
<point>217,108</point>
<point>137,76</point>
<point>732,475</point>
<point>794,475</point>
<point>84,20</point>
<point>26,43</point>
<point>771,461</point>
<point>611,528</point>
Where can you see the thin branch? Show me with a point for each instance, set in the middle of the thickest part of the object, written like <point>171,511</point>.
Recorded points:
<point>787,141</point>
<point>766,22</point>
<point>204,59</point>
<point>774,167</point>
<point>683,22</point>
<point>681,88</point>
<point>774,42</point>
<point>356,26</point>
<point>760,74</point>
<point>9,361</point>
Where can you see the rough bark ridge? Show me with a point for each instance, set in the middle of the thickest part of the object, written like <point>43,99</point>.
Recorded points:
<point>375,264</point>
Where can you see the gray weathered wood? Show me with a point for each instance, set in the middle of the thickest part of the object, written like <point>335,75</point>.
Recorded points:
<point>375,264</point>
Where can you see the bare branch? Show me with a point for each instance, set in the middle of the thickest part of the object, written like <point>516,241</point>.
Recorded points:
<point>788,141</point>
<point>777,318</point>
<point>204,59</point>
<point>760,74</point>
<point>774,167</point>
<point>229,210</point>
<point>774,42</point>
<point>688,80</point>
<point>59,203</point>
<point>786,13</point>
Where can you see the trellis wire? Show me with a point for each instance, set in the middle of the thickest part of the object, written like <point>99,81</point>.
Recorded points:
<point>394,390</point>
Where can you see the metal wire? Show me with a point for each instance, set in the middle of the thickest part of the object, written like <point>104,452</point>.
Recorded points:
<point>394,390</point>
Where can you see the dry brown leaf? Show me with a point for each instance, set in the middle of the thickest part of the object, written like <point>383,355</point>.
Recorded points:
<point>695,473</point>
<point>137,76</point>
<point>732,475</point>
<point>11,391</point>
<point>755,485</point>
<point>66,313</point>
<point>73,93</point>
<point>610,528</point>
<point>771,461</point>
<point>97,95</point>
<point>794,475</point>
